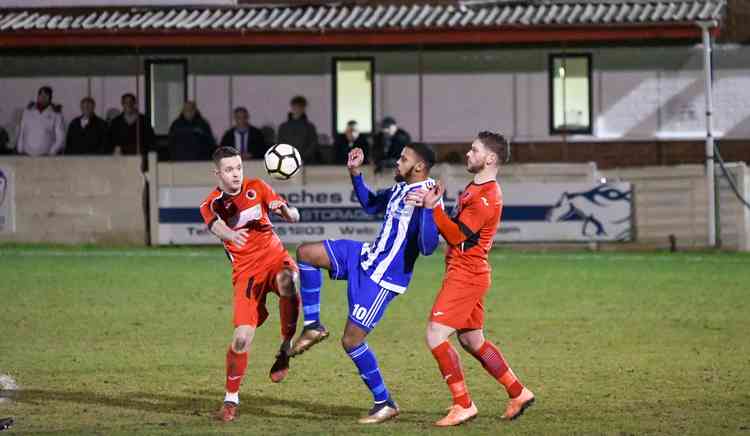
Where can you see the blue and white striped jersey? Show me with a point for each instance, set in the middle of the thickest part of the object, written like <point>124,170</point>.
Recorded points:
<point>407,231</point>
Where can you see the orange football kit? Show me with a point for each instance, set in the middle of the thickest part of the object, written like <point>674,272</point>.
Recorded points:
<point>255,264</point>
<point>460,302</point>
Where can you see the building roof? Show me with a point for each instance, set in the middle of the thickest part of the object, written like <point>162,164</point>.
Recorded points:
<point>334,17</point>
<point>359,24</point>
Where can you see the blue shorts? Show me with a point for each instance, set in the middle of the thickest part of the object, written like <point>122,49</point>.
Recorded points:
<point>367,300</point>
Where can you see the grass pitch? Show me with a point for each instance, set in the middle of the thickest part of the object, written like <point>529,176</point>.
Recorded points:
<point>132,341</point>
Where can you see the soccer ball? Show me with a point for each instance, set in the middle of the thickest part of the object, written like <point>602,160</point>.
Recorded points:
<point>283,161</point>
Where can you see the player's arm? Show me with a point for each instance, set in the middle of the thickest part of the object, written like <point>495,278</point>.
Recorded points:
<point>278,205</point>
<point>372,202</point>
<point>223,232</point>
<point>280,208</point>
<point>455,231</point>
<point>219,228</point>
<point>428,232</point>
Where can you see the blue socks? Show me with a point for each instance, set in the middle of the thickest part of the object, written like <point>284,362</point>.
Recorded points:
<point>368,368</point>
<point>310,281</point>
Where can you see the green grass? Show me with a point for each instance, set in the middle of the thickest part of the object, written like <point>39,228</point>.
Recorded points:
<point>109,341</point>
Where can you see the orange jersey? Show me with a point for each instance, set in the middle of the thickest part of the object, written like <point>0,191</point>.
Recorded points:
<point>247,210</point>
<point>471,231</point>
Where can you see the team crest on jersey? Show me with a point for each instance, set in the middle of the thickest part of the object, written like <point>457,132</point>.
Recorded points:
<point>251,194</point>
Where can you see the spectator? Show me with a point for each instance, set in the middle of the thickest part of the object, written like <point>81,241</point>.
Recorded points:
<point>42,129</point>
<point>244,137</point>
<point>5,142</point>
<point>190,136</point>
<point>300,132</point>
<point>129,132</point>
<point>87,134</point>
<point>351,138</point>
<point>388,144</point>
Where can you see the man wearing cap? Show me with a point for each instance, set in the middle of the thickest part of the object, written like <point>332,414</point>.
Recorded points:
<point>388,144</point>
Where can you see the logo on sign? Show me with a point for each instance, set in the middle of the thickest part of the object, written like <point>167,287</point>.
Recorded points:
<point>590,208</point>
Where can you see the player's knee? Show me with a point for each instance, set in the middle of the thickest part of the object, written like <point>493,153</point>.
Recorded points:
<point>349,342</point>
<point>304,253</point>
<point>285,280</point>
<point>242,338</point>
<point>471,342</point>
<point>239,345</point>
<point>432,337</point>
<point>466,343</point>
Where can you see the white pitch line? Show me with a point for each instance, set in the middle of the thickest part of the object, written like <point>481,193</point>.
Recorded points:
<point>114,253</point>
<point>625,258</point>
<point>572,257</point>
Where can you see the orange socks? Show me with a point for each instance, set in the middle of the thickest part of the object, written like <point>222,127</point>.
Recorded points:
<point>450,367</point>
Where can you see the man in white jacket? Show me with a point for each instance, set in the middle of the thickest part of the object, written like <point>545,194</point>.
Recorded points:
<point>42,130</point>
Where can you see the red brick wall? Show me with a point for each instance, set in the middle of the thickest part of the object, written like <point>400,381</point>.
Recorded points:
<point>613,154</point>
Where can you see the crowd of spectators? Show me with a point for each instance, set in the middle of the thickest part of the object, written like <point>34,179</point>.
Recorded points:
<point>43,132</point>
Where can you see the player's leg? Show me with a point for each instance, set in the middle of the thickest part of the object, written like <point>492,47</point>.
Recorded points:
<point>367,304</point>
<point>236,364</point>
<point>314,254</point>
<point>354,343</point>
<point>286,284</point>
<point>449,312</point>
<point>310,258</point>
<point>285,281</point>
<point>491,359</point>
<point>474,342</point>
<point>247,317</point>
<point>449,363</point>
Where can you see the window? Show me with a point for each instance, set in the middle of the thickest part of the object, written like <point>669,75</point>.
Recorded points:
<point>353,91</point>
<point>570,93</point>
<point>166,91</point>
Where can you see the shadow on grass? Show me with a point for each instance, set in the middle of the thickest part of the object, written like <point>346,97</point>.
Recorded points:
<point>203,404</point>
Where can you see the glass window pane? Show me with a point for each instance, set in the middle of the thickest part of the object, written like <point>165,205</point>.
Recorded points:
<point>570,93</point>
<point>354,94</point>
<point>167,94</point>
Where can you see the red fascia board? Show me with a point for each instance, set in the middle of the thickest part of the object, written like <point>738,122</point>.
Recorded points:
<point>514,35</point>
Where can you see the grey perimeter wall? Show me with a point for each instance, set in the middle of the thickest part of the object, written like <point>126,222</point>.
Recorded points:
<point>78,200</point>
<point>100,199</point>
<point>638,92</point>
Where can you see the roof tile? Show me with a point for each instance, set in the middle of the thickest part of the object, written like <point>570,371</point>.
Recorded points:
<point>368,17</point>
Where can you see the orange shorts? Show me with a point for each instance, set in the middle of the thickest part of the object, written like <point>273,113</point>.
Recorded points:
<point>460,303</point>
<point>251,289</point>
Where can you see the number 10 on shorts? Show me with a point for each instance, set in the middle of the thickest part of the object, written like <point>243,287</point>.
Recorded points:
<point>359,312</point>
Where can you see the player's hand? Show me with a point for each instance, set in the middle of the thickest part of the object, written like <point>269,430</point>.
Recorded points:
<point>356,158</point>
<point>416,198</point>
<point>276,206</point>
<point>433,196</point>
<point>290,214</point>
<point>239,237</point>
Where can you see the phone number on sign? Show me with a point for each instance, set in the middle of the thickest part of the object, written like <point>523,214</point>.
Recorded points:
<point>299,230</point>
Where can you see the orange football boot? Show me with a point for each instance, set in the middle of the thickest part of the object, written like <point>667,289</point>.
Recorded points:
<point>516,406</point>
<point>227,413</point>
<point>458,415</point>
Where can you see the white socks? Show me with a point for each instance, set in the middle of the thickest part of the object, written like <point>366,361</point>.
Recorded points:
<point>232,397</point>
